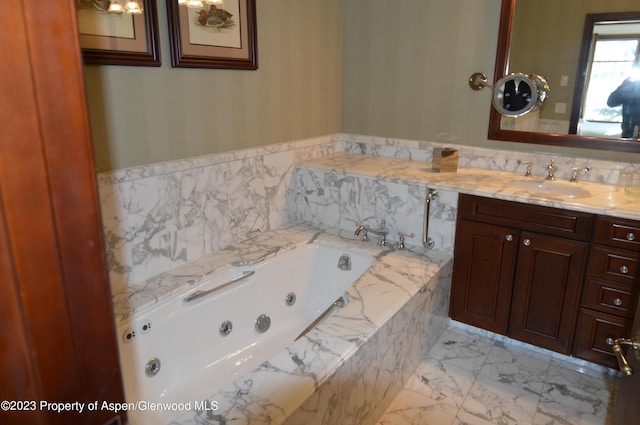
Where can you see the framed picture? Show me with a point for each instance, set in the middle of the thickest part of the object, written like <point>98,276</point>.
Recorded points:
<point>112,39</point>
<point>219,35</point>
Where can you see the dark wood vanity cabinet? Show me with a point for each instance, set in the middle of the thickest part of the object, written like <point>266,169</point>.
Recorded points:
<point>518,269</point>
<point>483,275</point>
<point>610,290</point>
<point>546,293</point>
<point>563,280</point>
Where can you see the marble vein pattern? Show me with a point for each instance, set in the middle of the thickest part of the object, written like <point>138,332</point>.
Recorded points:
<point>158,217</point>
<point>473,379</point>
<point>602,198</point>
<point>602,171</point>
<point>340,193</point>
<point>352,364</point>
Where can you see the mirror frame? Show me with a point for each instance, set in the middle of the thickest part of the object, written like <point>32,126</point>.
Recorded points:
<point>566,140</point>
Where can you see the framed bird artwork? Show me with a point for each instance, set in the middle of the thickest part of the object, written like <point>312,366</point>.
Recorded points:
<point>213,34</point>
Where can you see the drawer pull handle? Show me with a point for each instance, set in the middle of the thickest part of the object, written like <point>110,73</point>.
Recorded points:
<point>624,269</point>
<point>617,302</point>
<point>526,242</point>
<point>631,236</point>
<point>609,341</point>
<point>509,238</point>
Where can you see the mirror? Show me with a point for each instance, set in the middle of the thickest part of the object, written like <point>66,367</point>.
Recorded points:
<point>554,39</point>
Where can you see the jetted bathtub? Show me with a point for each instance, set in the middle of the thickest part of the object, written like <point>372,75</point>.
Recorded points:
<point>183,350</point>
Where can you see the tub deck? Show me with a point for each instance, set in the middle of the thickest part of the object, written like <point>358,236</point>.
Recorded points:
<point>347,369</point>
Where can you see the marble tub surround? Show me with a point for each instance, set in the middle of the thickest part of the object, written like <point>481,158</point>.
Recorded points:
<point>604,198</point>
<point>160,216</point>
<point>354,362</point>
<point>346,191</point>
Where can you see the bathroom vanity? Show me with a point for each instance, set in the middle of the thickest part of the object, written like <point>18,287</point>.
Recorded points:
<point>559,279</point>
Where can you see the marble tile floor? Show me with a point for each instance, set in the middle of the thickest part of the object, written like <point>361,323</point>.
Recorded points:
<point>472,378</point>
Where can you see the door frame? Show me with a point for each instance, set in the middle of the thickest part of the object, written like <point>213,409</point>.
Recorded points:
<point>58,337</point>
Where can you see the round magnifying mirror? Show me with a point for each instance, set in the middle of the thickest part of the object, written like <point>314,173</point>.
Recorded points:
<point>517,94</point>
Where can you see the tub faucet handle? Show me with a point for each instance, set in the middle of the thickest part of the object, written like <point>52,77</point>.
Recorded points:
<point>363,230</point>
<point>401,236</point>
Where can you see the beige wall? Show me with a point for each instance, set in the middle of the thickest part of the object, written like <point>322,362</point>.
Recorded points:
<point>407,63</point>
<point>406,67</point>
<point>389,68</point>
<point>142,115</point>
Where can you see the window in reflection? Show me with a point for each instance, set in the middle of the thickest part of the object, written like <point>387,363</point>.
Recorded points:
<point>615,60</point>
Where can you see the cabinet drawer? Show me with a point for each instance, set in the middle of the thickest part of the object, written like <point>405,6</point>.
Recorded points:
<point>595,335</point>
<point>614,264</point>
<point>617,232</point>
<point>546,220</point>
<point>610,297</point>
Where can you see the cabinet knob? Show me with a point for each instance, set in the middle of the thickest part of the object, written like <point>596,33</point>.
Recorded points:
<point>609,341</point>
<point>509,238</point>
<point>631,236</point>
<point>617,302</point>
<point>624,269</point>
<point>526,242</point>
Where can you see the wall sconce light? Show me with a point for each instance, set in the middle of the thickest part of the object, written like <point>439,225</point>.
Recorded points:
<point>130,6</point>
<point>194,4</point>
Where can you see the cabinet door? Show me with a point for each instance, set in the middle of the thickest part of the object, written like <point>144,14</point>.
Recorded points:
<point>547,291</point>
<point>483,275</point>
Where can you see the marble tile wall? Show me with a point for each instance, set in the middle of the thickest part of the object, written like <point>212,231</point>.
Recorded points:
<point>333,198</point>
<point>159,216</point>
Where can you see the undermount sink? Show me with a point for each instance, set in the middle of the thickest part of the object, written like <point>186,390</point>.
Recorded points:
<point>550,188</point>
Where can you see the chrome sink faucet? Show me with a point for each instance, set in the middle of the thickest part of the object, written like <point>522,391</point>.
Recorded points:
<point>575,171</point>
<point>552,168</point>
<point>382,232</point>
<point>529,167</point>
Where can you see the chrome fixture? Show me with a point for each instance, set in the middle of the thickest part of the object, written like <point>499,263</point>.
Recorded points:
<point>116,7</point>
<point>153,367</point>
<point>344,262</point>
<point>363,230</point>
<point>382,231</point>
<point>401,236</point>
<point>225,328</point>
<point>516,94</point>
<point>529,167</point>
<point>551,170</point>
<point>199,294</point>
<point>575,171</point>
<point>263,323</point>
<point>290,299</point>
<point>339,303</point>
<point>634,344</point>
<point>427,242</point>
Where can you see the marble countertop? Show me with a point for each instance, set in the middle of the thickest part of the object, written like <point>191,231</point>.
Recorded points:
<point>602,199</point>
